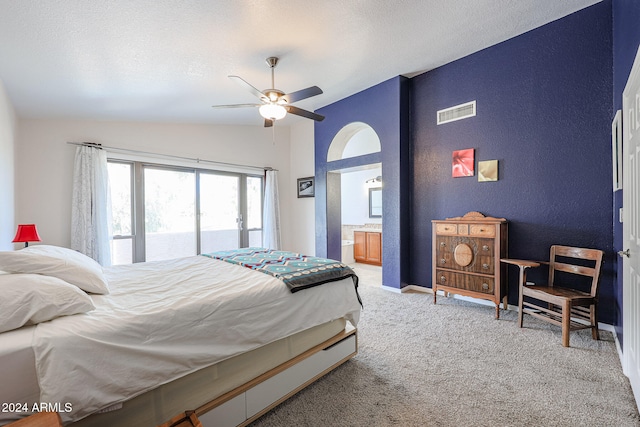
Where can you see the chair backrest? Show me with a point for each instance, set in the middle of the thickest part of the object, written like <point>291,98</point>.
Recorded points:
<point>587,263</point>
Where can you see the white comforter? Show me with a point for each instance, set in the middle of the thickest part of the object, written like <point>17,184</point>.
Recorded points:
<point>163,320</point>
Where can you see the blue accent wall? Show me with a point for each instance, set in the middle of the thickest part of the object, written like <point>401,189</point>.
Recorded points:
<point>384,107</point>
<point>544,112</point>
<point>626,38</point>
<point>544,108</point>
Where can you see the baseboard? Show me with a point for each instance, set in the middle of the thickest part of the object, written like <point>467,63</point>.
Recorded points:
<point>408,288</point>
<point>460,297</point>
<point>618,345</point>
<point>608,328</point>
<point>391,289</point>
<point>620,354</point>
<point>416,288</point>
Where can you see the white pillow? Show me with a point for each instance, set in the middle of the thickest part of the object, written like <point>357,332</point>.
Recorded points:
<point>66,264</point>
<point>32,298</point>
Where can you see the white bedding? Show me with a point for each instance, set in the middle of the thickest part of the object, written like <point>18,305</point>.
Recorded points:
<point>163,320</point>
<point>18,384</point>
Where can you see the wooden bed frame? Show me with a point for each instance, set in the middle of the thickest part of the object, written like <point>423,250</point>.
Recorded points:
<point>250,401</point>
<point>42,419</point>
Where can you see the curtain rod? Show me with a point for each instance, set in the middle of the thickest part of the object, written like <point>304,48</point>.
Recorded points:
<point>171,156</point>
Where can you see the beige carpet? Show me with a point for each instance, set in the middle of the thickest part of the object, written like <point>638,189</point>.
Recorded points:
<point>453,364</point>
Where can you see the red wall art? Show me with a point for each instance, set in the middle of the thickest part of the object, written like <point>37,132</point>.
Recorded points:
<point>463,162</point>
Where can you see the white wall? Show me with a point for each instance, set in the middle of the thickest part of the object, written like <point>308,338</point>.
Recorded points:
<point>302,219</point>
<point>44,163</point>
<point>355,197</point>
<point>7,170</point>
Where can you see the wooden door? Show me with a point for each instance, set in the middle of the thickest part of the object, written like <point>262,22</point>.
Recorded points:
<point>631,228</point>
<point>359,246</point>
<point>374,248</point>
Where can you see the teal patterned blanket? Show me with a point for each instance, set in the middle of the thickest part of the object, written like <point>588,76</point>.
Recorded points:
<point>297,271</point>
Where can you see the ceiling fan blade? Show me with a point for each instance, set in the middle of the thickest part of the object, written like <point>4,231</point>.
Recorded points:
<point>304,113</point>
<point>248,86</point>
<point>236,105</point>
<point>301,94</point>
<point>268,123</point>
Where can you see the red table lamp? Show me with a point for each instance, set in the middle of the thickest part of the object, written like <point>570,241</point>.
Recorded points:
<point>26,233</point>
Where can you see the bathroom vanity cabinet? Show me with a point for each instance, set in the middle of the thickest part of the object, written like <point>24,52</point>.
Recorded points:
<point>367,247</point>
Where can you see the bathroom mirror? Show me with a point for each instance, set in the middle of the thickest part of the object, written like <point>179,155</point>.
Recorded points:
<point>375,203</point>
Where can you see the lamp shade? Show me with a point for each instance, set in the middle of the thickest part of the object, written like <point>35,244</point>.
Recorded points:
<point>26,233</point>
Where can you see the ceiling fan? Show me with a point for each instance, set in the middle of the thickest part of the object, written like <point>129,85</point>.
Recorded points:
<point>275,103</point>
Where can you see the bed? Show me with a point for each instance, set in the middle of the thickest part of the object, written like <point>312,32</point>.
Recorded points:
<point>201,333</point>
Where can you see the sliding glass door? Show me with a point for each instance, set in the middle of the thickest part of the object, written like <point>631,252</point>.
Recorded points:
<point>161,212</point>
<point>253,223</point>
<point>220,215</point>
<point>169,213</point>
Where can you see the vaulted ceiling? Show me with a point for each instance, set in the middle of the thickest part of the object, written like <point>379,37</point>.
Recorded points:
<point>168,60</point>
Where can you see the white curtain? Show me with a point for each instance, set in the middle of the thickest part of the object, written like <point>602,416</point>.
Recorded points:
<point>271,212</point>
<point>90,205</point>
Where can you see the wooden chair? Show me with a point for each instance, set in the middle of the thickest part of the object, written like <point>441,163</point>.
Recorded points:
<point>565,306</point>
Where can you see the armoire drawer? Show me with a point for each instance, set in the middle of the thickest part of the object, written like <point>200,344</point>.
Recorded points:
<point>464,281</point>
<point>481,251</point>
<point>484,230</point>
<point>447,228</point>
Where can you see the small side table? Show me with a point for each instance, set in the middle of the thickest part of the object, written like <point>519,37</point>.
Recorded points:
<point>523,265</point>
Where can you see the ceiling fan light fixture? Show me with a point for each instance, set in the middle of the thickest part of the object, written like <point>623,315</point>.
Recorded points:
<point>272,111</point>
<point>275,103</point>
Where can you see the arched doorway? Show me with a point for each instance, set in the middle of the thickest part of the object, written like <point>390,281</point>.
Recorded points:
<point>358,189</point>
<point>353,140</point>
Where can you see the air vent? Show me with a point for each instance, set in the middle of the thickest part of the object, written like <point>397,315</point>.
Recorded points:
<point>458,112</point>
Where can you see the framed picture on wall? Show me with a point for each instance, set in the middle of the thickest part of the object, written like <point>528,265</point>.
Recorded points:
<point>616,150</point>
<point>306,187</point>
<point>462,163</point>
<point>487,170</point>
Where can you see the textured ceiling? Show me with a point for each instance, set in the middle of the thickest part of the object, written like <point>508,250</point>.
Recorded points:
<point>168,60</point>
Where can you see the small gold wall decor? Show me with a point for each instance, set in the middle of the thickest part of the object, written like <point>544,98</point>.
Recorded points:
<point>488,170</point>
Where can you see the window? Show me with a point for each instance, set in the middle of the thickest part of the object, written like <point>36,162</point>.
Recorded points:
<point>161,212</point>
<point>121,184</point>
